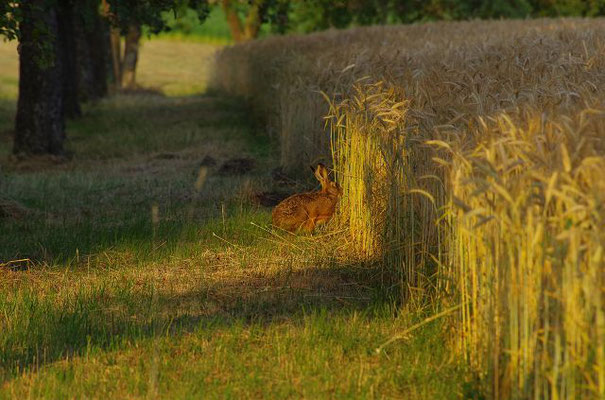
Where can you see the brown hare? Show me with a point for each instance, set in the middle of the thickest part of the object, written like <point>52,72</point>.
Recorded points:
<point>307,210</point>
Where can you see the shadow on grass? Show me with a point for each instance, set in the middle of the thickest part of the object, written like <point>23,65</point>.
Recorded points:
<point>7,122</point>
<point>143,122</point>
<point>107,215</point>
<point>78,208</point>
<point>40,330</point>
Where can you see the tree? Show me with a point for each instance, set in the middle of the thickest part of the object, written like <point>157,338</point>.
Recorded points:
<point>127,18</point>
<point>131,55</point>
<point>39,125</point>
<point>91,32</point>
<point>249,28</point>
<point>66,40</point>
<point>312,15</point>
<point>48,70</point>
<point>49,67</point>
<point>245,18</point>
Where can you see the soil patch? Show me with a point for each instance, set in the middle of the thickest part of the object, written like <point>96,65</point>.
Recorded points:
<point>12,209</point>
<point>280,178</point>
<point>270,199</point>
<point>237,166</point>
<point>208,161</point>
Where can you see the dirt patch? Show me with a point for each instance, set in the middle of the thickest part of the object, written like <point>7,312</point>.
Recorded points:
<point>237,166</point>
<point>142,91</point>
<point>23,163</point>
<point>166,156</point>
<point>270,199</point>
<point>280,178</point>
<point>16,265</point>
<point>208,161</point>
<point>7,135</point>
<point>12,209</point>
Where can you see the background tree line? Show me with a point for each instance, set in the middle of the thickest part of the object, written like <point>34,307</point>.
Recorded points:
<point>70,51</point>
<point>321,14</point>
<point>281,16</point>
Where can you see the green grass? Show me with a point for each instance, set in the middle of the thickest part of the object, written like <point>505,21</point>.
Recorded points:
<point>317,354</point>
<point>195,299</point>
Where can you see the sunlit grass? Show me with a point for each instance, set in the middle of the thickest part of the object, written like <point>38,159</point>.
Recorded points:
<point>174,67</point>
<point>9,65</point>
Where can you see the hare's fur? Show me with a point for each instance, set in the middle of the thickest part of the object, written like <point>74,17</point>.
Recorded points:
<point>307,210</point>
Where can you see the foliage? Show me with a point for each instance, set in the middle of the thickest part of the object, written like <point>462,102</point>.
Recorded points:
<point>10,15</point>
<point>322,14</point>
<point>149,12</point>
<point>187,23</point>
<point>11,18</point>
<point>283,16</point>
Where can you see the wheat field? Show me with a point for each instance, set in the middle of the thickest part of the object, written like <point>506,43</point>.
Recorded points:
<point>472,159</point>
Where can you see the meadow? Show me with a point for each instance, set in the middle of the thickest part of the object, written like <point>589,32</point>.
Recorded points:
<point>471,155</point>
<point>140,267</point>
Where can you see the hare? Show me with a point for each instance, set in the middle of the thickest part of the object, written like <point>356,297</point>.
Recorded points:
<point>306,210</point>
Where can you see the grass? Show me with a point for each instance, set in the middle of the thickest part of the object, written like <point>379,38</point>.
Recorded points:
<point>175,67</point>
<point>142,279</point>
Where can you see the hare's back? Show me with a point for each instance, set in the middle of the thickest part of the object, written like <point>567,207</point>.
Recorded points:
<point>293,204</point>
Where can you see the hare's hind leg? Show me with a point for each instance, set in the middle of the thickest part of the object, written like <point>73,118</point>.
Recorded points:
<point>308,225</point>
<point>322,219</point>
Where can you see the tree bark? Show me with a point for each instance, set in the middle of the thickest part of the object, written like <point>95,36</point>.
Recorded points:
<point>235,25</point>
<point>250,28</point>
<point>131,56</point>
<point>67,53</point>
<point>98,39</point>
<point>116,54</point>
<point>115,50</point>
<point>92,50</point>
<point>253,22</point>
<point>39,125</point>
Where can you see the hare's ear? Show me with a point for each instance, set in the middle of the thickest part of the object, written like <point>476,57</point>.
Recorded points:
<point>321,173</point>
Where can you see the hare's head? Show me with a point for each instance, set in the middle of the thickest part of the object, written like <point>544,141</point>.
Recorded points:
<point>327,186</point>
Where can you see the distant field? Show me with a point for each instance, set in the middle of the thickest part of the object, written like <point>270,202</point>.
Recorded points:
<point>145,272</point>
<point>9,65</point>
<point>175,68</point>
<point>9,78</point>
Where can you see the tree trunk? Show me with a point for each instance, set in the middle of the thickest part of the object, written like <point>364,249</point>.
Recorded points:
<point>253,22</point>
<point>99,42</point>
<point>131,56</point>
<point>248,30</point>
<point>67,53</point>
<point>114,44</point>
<point>92,49</point>
<point>116,52</point>
<point>39,125</point>
<point>235,25</point>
